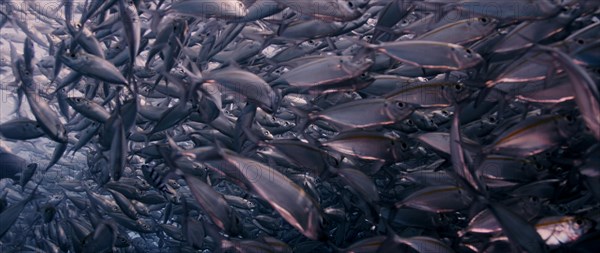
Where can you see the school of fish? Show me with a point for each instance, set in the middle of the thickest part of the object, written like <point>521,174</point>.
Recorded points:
<point>300,126</point>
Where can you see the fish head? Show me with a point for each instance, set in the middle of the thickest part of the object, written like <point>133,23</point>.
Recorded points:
<point>485,23</point>
<point>73,58</point>
<point>236,224</point>
<point>349,9</point>
<point>457,91</point>
<point>142,184</point>
<point>113,51</point>
<point>398,109</point>
<point>568,123</point>
<point>73,101</point>
<point>122,241</point>
<point>48,212</point>
<point>465,58</point>
<point>360,64</point>
<point>400,149</point>
<point>146,225</point>
<point>582,225</point>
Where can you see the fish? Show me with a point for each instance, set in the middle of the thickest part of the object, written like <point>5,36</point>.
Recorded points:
<point>380,112</point>
<point>47,118</point>
<point>228,10</point>
<point>302,213</point>
<point>470,30</point>
<point>10,214</point>
<point>93,66</point>
<point>131,27</point>
<point>89,109</point>
<point>520,141</point>
<point>299,126</point>
<point>557,230</point>
<point>21,129</point>
<point>12,165</point>
<point>330,10</point>
<point>438,199</point>
<point>340,68</point>
<point>586,93</point>
<point>378,147</point>
<point>518,230</point>
<point>439,55</point>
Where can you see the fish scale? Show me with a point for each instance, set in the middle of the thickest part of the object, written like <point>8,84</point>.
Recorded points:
<point>300,126</point>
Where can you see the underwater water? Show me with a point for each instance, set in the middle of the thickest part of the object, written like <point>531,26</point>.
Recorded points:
<point>300,126</point>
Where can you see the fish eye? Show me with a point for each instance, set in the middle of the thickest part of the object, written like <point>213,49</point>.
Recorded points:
<point>579,221</point>
<point>73,55</point>
<point>400,104</point>
<point>409,122</point>
<point>445,113</point>
<point>403,146</point>
<point>492,119</point>
<point>570,118</point>
<point>458,87</point>
<point>580,41</point>
<point>469,53</point>
<point>350,4</point>
<point>484,20</point>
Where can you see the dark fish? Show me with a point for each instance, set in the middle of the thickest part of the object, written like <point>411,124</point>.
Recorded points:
<point>11,165</point>
<point>21,129</point>
<point>215,205</point>
<point>300,126</point>
<point>10,215</point>
<point>27,174</point>
<point>302,213</point>
<point>518,230</point>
